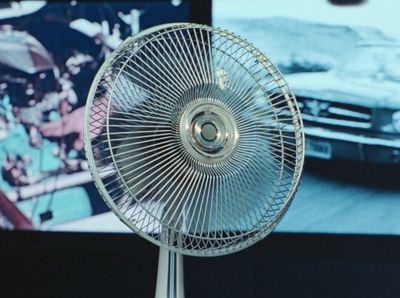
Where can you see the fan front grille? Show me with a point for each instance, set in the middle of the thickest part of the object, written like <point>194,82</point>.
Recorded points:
<point>194,139</point>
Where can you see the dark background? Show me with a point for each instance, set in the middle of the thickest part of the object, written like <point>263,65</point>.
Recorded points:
<point>45,264</point>
<point>123,265</point>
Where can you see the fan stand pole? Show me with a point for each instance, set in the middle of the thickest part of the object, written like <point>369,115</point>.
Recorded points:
<point>170,275</point>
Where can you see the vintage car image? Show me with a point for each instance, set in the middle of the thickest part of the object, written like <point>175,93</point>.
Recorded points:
<point>346,80</point>
<point>353,113</point>
<point>342,63</point>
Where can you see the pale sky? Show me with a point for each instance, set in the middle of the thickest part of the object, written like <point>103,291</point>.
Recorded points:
<point>382,14</point>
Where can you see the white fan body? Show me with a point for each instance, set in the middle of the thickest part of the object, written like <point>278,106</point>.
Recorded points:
<point>194,141</point>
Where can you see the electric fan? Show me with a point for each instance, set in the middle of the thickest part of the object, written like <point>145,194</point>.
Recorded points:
<point>194,141</point>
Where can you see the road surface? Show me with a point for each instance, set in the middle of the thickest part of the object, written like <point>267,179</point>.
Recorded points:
<point>341,197</point>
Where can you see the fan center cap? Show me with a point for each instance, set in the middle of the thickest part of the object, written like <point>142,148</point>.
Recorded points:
<point>208,131</point>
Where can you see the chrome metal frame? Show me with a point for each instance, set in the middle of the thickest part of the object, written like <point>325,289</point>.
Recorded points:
<point>170,275</point>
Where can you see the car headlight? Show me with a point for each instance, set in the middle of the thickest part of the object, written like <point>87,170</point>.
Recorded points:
<point>396,121</point>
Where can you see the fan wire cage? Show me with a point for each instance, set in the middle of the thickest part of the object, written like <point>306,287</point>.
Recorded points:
<point>194,139</point>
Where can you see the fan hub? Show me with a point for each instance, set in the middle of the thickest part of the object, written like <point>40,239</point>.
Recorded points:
<point>208,131</point>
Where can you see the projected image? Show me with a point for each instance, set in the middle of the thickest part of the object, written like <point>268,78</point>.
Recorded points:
<point>343,64</point>
<point>49,54</point>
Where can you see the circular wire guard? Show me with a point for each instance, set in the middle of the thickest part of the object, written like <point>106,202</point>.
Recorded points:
<point>194,139</point>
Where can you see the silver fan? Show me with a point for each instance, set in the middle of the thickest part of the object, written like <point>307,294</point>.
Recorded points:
<point>195,142</point>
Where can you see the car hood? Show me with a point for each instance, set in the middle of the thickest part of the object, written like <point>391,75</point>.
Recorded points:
<point>330,86</point>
